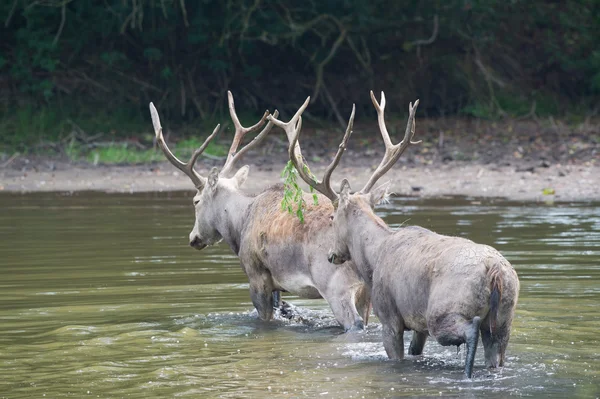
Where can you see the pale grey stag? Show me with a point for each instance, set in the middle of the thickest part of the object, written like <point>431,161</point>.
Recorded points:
<point>448,287</point>
<point>276,251</point>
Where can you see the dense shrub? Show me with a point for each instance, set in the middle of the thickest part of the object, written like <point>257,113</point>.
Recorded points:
<point>475,57</point>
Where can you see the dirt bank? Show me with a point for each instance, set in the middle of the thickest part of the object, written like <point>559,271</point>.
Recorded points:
<point>569,183</point>
<point>514,160</point>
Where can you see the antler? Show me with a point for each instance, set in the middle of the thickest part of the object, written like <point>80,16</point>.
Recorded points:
<point>292,129</point>
<point>392,152</point>
<point>187,168</point>
<point>232,157</point>
<point>240,132</point>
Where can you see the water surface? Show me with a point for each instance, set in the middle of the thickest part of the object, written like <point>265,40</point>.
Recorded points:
<point>100,296</point>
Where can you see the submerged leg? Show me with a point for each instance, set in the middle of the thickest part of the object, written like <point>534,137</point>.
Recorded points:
<point>393,339</point>
<point>279,304</point>
<point>417,343</point>
<point>276,299</point>
<point>471,339</point>
<point>346,296</point>
<point>491,347</point>
<point>261,293</point>
<point>345,314</point>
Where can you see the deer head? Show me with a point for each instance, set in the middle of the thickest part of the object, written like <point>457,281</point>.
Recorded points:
<point>218,183</point>
<point>351,207</point>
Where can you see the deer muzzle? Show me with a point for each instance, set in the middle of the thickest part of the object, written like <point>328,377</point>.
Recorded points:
<point>196,243</point>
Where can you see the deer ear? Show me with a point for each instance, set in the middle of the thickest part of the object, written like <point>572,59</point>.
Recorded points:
<point>213,178</point>
<point>344,191</point>
<point>241,175</point>
<point>379,194</point>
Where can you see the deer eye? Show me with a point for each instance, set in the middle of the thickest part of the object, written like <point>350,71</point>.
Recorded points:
<point>331,217</point>
<point>196,202</point>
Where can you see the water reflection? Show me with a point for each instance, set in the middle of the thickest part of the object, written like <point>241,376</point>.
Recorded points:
<point>101,295</point>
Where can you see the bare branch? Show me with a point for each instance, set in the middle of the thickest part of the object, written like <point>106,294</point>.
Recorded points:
<point>424,42</point>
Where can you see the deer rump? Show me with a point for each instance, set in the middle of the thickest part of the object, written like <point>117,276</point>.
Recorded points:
<point>436,285</point>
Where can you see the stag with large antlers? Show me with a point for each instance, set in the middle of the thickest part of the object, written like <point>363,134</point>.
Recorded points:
<point>276,251</point>
<point>448,287</point>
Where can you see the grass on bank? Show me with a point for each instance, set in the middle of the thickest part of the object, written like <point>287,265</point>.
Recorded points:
<point>125,153</point>
<point>122,134</point>
<point>119,136</point>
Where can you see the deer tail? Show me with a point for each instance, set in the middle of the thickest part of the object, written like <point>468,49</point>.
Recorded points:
<point>495,295</point>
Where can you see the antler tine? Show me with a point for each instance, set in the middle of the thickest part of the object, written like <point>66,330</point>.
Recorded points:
<point>380,118</point>
<point>392,152</point>
<point>340,151</point>
<point>255,141</point>
<point>240,132</point>
<point>290,126</point>
<point>186,167</point>
<point>323,186</point>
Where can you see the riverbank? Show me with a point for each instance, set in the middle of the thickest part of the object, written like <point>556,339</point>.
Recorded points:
<point>516,160</point>
<point>555,182</point>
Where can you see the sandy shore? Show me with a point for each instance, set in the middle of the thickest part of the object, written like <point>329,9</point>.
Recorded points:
<point>569,182</point>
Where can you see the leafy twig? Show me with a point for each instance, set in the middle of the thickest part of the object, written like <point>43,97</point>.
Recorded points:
<point>293,196</point>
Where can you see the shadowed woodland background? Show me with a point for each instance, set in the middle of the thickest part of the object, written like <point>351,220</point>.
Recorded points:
<point>95,65</point>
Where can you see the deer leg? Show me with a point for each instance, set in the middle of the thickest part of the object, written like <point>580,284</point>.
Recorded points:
<point>345,296</point>
<point>491,347</point>
<point>276,299</point>
<point>261,293</point>
<point>345,313</point>
<point>417,343</point>
<point>393,339</point>
<point>281,305</point>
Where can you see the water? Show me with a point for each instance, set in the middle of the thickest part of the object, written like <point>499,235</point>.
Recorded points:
<point>100,296</point>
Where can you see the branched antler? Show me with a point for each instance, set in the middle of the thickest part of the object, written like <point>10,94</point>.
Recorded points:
<point>292,129</point>
<point>186,167</point>
<point>240,131</point>
<point>392,152</point>
<point>233,156</point>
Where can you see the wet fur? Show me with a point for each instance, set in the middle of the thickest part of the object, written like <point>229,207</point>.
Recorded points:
<point>278,253</point>
<point>448,287</point>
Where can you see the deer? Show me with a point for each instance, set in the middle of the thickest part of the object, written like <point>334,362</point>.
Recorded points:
<point>277,252</point>
<point>449,288</point>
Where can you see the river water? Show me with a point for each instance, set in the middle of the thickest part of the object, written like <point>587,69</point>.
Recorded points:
<point>100,296</point>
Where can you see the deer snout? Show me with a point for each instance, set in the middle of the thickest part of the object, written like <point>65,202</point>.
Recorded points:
<point>196,242</point>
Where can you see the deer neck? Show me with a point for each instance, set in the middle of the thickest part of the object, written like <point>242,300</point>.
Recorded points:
<point>367,234</point>
<point>232,216</point>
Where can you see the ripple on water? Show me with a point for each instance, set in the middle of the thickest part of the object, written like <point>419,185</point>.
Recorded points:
<point>132,311</point>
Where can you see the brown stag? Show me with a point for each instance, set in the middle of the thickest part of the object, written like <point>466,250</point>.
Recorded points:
<point>448,287</point>
<point>276,251</point>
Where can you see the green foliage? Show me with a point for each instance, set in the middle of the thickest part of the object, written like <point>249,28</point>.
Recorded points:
<point>186,147</point>
<point>76,59</point>
<point>123,152</point>
<point>293,196</point>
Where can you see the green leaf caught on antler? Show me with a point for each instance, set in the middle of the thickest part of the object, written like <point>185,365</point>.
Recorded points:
<point>293,196</point>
